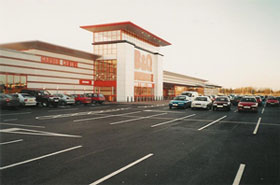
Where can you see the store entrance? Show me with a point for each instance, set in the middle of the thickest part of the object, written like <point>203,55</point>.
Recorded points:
<point>105,78</point>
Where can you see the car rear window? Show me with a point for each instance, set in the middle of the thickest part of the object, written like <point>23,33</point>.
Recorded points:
<point>201,99</point>
<point>248,100</point>
<point>180,98</point>
<point>221,99</point>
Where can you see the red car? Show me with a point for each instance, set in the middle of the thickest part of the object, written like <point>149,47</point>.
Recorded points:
<point>272,101</point>
<point>96,97</point>
<point>259,100</point>
<point>80,98</point>
<point>248,103</point>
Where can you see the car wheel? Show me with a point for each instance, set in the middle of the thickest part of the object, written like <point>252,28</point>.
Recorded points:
<point>170,107</point>
<point>78,102</point>
<point>45,104</point>
<point>63,103</point>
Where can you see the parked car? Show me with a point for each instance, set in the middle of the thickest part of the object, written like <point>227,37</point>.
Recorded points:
<point>248,103</point>
<point>201,102</point>
<point>272,101</point>
<point>43,97</point>
<point>259,100</point>
<point>191,94</point>
<point>181,101</point>
<point>81,99</point>
<point>278,98</point>
<point>96,97</point>
<point>65,99</point>
<point>26,99</point>
<point>222,102</point>
<point>7,100</point>
<point>236,100</point>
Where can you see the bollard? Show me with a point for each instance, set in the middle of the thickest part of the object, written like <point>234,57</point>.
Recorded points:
<point>127,99</point>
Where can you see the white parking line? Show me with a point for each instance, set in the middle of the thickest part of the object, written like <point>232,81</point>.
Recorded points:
<point>10,142</point>
<point>15,113</point>
<point>88,119</point>
<point>21,125</point>
<point>10,119</point>
<point>165,111</point>
<point>171,121</point>
<point>77,114</point>
<point>62,110</point>
<point>34,132</point>
<point>213,122</point>
<point>38,158</point>
<point>136,119</point>
<point>239,174</point>
<point>121,170</point>
<point>262,110</point>
<point>257,126</point>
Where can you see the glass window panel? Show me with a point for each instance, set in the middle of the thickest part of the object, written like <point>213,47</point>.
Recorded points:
<point>10,79</point>
<point>2,79</point>
<point>16,79</point>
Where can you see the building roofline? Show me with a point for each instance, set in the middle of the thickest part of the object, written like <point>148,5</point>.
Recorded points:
<point>128,26</point>
<point>183,76</point>
<point>45,46</point>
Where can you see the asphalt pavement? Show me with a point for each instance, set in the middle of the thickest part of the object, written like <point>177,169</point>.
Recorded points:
<point>139,144</point>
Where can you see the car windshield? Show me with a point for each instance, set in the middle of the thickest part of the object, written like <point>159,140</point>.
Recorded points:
<point>201,99</point>
<point>221,99</point>
<point>8,96</point>
<point>187,94</point>
<point>27,95</point>
<point>248,100</point>
<point>180,98</point>
<point>45,92</point>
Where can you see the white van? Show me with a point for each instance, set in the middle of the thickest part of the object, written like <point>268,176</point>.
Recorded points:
<point>191,94</point>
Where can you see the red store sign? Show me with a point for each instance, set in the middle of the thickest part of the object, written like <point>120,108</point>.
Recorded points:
<point>56,61</point>
<point>85,82</point>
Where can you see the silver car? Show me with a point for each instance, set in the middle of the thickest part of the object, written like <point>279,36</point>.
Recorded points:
<point>26,99</point>
<point>66,99</point>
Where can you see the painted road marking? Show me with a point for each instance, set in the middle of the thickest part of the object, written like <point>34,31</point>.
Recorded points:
<point>10,142</point>
<point>213,122</point>
<point>62,110</point>
<point>38,158</point>
<point>77,114</point>
<point>239,174</point>
<point>164,111</point>
<point>262,110</point>
<point>10,120</point>
<point>34,132</point>
<point>136,119</point>
<point>15,113</point>
<point>13,124</point>
<point>88,119</point>
<point>171,121</point>
<point>257,126</point>
<point>121,170</point>
<point>236,110</point>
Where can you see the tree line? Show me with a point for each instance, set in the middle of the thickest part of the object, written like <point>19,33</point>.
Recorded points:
<point>250,91</point>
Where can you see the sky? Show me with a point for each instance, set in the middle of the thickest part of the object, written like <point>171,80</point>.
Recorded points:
<point>232,43</point>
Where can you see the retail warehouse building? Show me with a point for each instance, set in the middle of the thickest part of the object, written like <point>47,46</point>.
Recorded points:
<point>125,65</point>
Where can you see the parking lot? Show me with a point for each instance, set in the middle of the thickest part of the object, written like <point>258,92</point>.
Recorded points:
<point>139,144</point>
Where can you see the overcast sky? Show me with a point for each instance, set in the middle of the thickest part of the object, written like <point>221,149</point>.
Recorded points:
<point>232,43</point>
